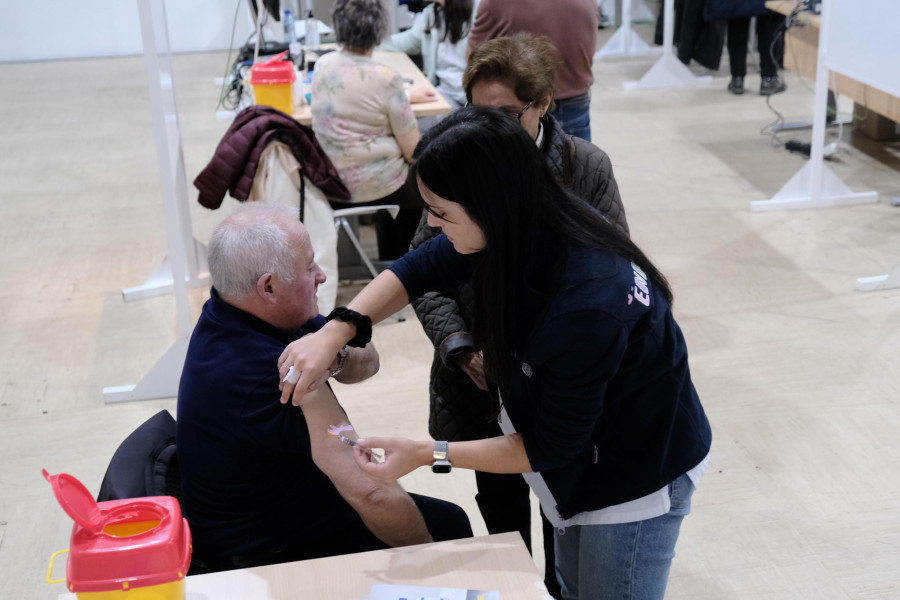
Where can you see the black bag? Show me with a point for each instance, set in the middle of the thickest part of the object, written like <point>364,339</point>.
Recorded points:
<point>715,10</point>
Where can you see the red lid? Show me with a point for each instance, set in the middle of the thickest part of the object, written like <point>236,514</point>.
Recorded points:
<point>274,70</point>
<point>145,542</point>
<point>76,500</point>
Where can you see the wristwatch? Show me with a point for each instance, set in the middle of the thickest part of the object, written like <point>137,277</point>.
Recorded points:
<point>362,323</point>
<point>342,359</point>
<point>441,462</point>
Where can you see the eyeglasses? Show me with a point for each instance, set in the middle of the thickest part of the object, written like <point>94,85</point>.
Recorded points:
<point>517,115</point>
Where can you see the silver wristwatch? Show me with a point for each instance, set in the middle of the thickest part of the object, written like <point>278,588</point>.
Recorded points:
<point>342,360</point>
<point>441,462</point>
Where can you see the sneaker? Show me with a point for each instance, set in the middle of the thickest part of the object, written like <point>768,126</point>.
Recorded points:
<point>736,86</point>
<point>771,85</point>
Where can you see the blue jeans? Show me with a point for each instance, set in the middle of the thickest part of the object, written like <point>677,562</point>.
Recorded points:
<point>627,561</point>
<point>575,119</point>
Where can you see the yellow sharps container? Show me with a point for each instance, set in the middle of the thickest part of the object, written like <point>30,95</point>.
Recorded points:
<point>273,83</point>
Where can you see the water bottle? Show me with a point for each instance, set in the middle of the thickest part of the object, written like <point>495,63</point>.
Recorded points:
<point>289,34</point>
<point>312,32</point>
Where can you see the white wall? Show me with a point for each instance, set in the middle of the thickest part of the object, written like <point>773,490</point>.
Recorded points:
<point>864,41</point>
<point>53,29</point>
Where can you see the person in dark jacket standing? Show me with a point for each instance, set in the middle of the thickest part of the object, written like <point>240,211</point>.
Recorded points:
<point>770,40</point>
<point>575,323</point>
<point>507,73</point>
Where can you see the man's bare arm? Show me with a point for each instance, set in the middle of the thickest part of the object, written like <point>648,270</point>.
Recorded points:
<point>386,509</point>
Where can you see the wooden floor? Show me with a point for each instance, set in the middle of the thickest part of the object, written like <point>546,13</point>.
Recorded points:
<point>799,372</point>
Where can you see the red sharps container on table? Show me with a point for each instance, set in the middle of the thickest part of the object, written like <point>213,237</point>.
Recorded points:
<point>132,549</point>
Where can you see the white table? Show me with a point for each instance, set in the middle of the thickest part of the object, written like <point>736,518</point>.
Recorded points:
<point>495,562</point>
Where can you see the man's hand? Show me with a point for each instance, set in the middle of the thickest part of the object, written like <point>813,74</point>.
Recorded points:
<point>421,95</point>
<point>472,364</point>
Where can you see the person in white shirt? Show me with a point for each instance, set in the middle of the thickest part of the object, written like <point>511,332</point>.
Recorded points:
<point>440,34</point>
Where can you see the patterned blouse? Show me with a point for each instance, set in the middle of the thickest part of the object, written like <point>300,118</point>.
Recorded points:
<point>358,106</point>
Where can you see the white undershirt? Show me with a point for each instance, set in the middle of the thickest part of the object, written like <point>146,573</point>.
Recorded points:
<point>539,140</point>
<point>647,507</point>
<point>451,62</point>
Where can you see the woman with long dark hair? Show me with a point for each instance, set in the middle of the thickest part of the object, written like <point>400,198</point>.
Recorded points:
<point>575,322</point>
<point>518,75</point>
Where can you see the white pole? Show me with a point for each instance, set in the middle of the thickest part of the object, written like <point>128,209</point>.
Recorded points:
<point>626,24</point>
<point>668,26</point>
<point>668,70</point>
<point>168,146</point>
<point>161,381</point>
<point>815,185</point>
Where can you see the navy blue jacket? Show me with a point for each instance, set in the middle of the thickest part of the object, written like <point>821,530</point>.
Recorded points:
<point>601,390</point>
<point>249,481</point>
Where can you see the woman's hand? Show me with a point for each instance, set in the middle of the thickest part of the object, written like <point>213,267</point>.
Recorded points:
<point>472,364</point>
<point>421,95</point>
<point>401,456</point>
<point>311,357</point>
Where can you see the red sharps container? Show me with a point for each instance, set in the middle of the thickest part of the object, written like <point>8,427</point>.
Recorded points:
<point>133,549</point>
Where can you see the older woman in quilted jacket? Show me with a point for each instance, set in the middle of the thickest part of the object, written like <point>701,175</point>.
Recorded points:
<point>515,74</point>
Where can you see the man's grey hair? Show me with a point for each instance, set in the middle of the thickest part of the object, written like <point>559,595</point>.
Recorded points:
<point>248,244</point>
<point>359,24</point>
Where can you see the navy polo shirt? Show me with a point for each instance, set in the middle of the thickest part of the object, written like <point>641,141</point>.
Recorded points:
<point>248,478</point>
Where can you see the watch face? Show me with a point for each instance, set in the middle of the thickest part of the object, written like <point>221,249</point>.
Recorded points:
<point>440,466</point>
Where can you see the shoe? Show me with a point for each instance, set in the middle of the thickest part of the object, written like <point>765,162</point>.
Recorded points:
<point>736,86</point>
<point>771,85</point>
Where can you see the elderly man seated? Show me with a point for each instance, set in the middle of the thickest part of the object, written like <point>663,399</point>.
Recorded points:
<point>267,482</point>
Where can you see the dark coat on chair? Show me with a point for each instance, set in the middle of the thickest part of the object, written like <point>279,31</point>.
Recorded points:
<point>233,165</point>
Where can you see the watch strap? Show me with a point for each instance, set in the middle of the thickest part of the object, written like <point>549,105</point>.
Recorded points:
<point>362,323</point>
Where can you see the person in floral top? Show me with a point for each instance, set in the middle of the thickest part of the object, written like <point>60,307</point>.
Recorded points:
<point>362,117</point>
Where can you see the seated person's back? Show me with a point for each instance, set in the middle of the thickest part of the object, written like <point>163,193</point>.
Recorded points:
<point>265,482</point>
<point>365,123</point>
<point>359,108</point>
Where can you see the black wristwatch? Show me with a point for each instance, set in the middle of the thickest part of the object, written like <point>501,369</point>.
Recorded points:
<point>441,462</point>
<point>362,323</point>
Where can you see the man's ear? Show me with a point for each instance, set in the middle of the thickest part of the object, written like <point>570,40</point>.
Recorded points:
<point>264,287</point>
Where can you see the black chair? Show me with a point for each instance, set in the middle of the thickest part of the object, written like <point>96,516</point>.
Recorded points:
<point>145,463</point>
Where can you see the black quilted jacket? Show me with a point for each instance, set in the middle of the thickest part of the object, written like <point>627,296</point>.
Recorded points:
<point>459,410</point>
